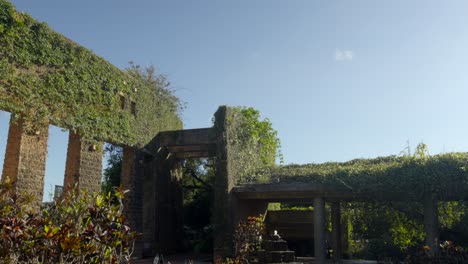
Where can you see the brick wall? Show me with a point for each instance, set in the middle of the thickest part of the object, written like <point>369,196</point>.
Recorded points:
<point>132,180</point>
<point>149,209</point>
<point>84,165</point>
<point>25,159</point>
<point>231,161</point>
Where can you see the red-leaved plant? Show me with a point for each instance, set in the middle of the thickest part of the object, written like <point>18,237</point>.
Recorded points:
<point>76,229</point>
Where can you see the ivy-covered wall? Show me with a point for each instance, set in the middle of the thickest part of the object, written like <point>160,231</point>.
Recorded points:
<point>444,176</point>
<point>47,78</point>
<point>244,144</point>
<point>252,143</point>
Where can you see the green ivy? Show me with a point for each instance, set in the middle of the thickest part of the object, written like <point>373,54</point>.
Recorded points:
<point>257,131</point>
<point>403,177</point>
<point>252,142</point>
<point>47,78</point>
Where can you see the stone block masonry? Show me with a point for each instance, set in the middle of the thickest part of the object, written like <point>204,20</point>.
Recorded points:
<point>133,199</point>
<point>132,180</point>
<point>25,159</point>
<point>84,165</point>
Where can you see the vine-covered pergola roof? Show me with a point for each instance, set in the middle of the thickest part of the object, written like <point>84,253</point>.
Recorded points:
<point>443,176</point>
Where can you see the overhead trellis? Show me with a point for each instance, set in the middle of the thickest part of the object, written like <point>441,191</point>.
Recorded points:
<point>444,176</point>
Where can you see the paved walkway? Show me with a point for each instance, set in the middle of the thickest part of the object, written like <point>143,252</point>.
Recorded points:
<point>205,259</point>
<point>179,259</point>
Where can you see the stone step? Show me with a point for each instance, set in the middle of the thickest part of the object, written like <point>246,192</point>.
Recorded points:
<point>279,256</point>
<point>256,262</point>
<point>270,245</point>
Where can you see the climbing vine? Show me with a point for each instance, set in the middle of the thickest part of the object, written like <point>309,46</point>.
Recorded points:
<point>47,78</point>
<point>252,142</point>
<point>405,177</point>
<point>259,132</point>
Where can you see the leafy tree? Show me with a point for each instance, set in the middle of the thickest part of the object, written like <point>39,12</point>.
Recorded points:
<point>166,99</point>
<point>111,174</point>
<point>198,180</point>
<point>395,229</point>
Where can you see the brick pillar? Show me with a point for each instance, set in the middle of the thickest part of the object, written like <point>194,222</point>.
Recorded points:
<point>84,165</point>
<point>132,180</point>
<point>25,159</point>
<point>149,209</point>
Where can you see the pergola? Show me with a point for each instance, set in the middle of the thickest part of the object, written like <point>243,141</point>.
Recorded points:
<point>310,186</point>
<point>251,195</point>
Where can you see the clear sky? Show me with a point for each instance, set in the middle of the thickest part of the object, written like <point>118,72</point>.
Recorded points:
<point>338,79</point>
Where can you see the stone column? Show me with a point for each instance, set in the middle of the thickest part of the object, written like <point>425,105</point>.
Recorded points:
<point>336,230</point>
<point>319,230</point>
<point>223,222</point>
<point>84,165</point>
<point>25,159</point>
<point>132,180</point>
<point>149,209</point>
<point>431,223</point>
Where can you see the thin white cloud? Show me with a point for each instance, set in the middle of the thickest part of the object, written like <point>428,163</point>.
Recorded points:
<point>344,55</point>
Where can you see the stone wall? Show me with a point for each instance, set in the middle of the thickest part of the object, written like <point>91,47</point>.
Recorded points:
<point>60,82</point>
<point>84,165</point>
<point>25,159</point>
<point>232,163</point>
<point>132,180</point>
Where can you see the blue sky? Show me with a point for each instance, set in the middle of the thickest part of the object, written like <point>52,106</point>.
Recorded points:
<point>338,79</point>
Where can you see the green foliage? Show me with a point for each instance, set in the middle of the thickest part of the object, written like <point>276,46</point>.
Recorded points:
<point>111,174</point>
<point>79,229</point>
<point>252,142</point>
<point>383,230</point>
<point>259,132</point>
<point>46,78</point>
<point>247,238</point>
<point>197,182</point>
<point>403,177</point>
<point>157,108</point>
<point>452,213</point>
<point>384,227</point>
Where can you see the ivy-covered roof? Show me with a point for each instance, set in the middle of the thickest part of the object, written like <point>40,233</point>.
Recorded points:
<point>444,176</point>
<point>47,78</point>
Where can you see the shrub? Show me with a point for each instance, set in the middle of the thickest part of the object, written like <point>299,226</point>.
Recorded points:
<point>448,253</point>
<point>76,229</point>
<point>247,238</point>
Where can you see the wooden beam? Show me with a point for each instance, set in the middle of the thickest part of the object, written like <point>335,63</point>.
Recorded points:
<point>200,136</point>
<point>290,192</point>
<point>192,148</point>
<point>193,155</point>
